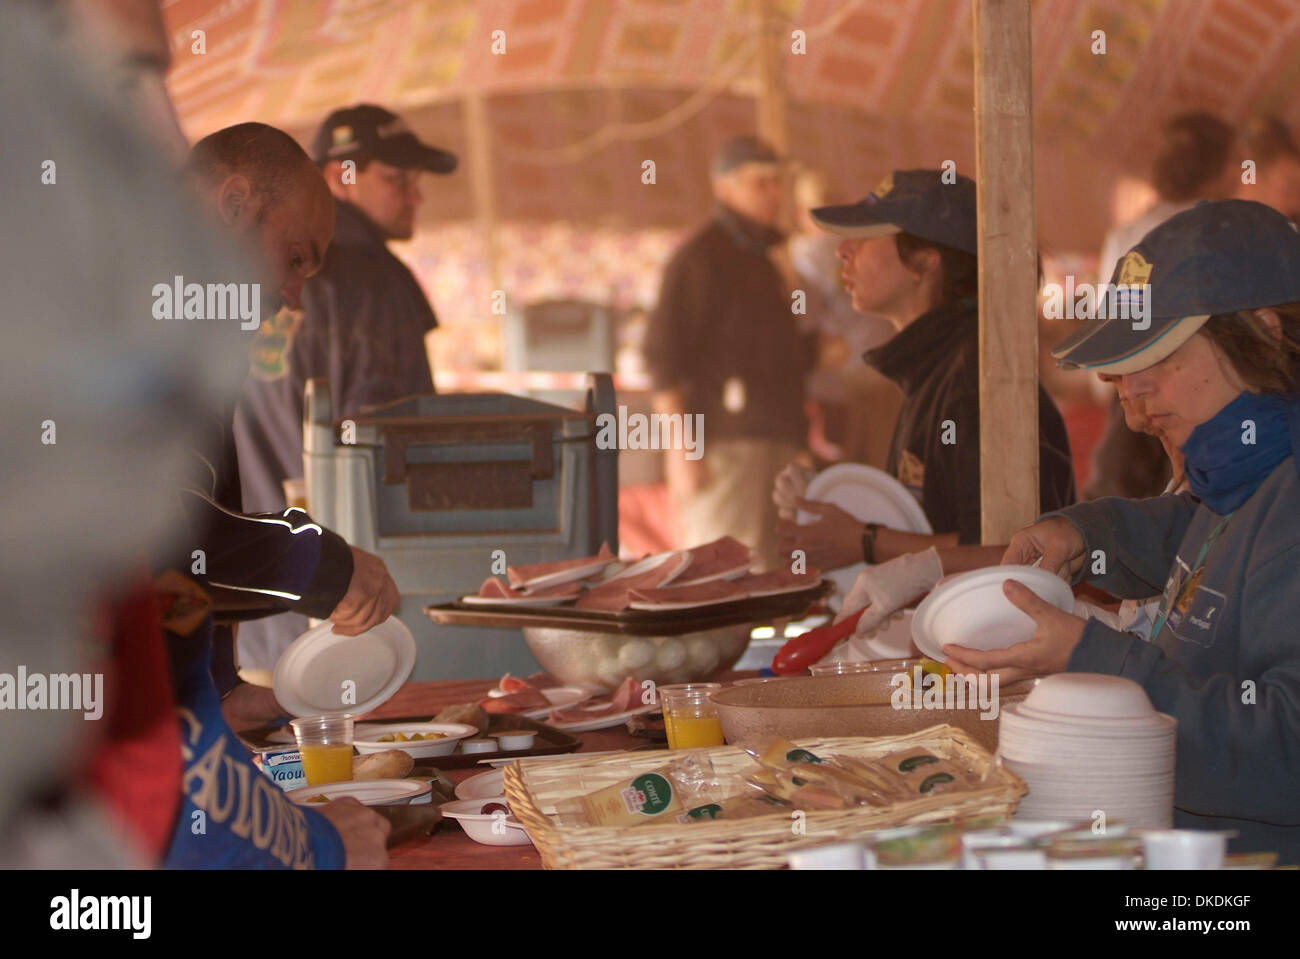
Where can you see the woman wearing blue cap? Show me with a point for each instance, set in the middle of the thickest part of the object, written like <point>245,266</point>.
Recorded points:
<point>1216,369</point>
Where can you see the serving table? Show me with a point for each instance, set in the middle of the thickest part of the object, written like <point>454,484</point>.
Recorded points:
<point>449,847</point>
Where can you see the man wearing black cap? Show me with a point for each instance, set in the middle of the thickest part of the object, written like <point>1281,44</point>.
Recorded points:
<point>723,343</point>
<point>363,321</point>
<point>909,254</point>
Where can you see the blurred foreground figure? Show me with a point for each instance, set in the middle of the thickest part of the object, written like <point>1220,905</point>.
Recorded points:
<point>101,401</point>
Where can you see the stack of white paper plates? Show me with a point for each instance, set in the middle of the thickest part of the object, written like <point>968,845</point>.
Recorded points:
<point>1087,743</point>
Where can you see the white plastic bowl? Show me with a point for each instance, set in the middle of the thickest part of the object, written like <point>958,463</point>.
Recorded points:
<point>366,738</point>
<point>1090,695</point>
<point>490,829</point>
<point>970,610</point>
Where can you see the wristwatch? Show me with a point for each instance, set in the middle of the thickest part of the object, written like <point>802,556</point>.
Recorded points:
<point>869,543</point>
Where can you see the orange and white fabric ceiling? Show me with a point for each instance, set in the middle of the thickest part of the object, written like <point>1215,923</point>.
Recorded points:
<point>882,84</point>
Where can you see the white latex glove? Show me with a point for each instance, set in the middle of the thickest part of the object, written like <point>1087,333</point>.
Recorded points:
<point>886,589</point>
<point>791,484</point>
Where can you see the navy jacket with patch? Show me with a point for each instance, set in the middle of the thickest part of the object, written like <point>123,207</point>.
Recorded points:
<point>935,361</point>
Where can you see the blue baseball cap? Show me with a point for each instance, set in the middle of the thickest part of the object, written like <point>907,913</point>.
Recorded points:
<point>910,201</point>
<point>1217,257</point>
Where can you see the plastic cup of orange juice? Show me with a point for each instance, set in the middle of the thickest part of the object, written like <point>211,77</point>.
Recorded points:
<point>690,718</point>
<point>325,744</point>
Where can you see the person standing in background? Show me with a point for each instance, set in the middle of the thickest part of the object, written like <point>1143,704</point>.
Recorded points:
<point>723,342</point>
<point>1196,161</point>
<point>362,326</point>
<point>1270,145</point>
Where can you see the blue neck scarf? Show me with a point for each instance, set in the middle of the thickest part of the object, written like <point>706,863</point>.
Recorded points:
<point>1223,470</point>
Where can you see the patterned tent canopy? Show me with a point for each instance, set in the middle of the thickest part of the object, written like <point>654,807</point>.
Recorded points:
<point>586,90</point>
<point>884,83</point>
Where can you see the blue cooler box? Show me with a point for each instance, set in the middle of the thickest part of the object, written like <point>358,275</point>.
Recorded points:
<point>449,489</point>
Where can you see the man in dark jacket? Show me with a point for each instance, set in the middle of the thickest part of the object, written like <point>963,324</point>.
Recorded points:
<point>362,325</point>
<point>909,254</point>
<point>723,344</point>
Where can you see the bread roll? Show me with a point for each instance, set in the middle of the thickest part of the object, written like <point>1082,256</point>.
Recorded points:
<point>389,764</point>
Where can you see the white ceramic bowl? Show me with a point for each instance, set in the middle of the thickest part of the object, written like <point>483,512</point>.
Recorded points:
<point>491,829</point>
<point>970,609</point>
<point>1184,848</point>
<point>366,738</point>
<point>1090,695</point>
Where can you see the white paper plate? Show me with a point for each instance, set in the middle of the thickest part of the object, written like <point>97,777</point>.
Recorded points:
<point>476,600</point>
<point>969,610</point>
<point>603,722</point>
<point>698,604</point>
<point>310,676</point>
<point>561,697</point>
<point>868,495</point>
<point>733,573</point>
<point>482,786</point>
<point>365,737</point>
<point>369,792</point>
<point>782,590</point>
<point>585,571</point>
<point>653,562</point>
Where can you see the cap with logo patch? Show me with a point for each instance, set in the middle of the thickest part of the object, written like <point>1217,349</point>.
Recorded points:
<point>910,201</point>
<point>1217,257</point>
<point>374,133</point>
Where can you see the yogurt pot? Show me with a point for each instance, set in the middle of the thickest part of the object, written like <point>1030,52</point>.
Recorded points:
<point>515,739</point>
<point>283,764</point>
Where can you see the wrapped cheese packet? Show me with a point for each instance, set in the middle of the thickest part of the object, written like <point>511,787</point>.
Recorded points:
<point>659,795</point>
<point>927,774</point>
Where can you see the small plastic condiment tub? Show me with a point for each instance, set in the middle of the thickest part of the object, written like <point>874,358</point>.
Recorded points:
<point>515,739</point>
<point>478,746</point>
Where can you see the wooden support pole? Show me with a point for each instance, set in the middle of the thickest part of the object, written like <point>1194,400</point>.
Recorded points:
<point>479,138</point>
<point>1008,270</point>
<point>773,123</point>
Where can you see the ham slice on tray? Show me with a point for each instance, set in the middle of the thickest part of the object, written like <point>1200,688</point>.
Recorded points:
<point>713,560</point>
<point>711,592</point>
<point>515,684</point>
<point>756,584</point>
<point>613,595</point>
<point>624,699</point>
<point>522,575</point>
<point>516,702</point>
<point>493,588</point>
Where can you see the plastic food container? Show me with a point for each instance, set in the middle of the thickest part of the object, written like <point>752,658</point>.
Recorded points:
<point>496,828</point>
<point>478,745</point>
<point>515,739</point>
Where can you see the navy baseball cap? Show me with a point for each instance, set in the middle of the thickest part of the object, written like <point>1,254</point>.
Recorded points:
<point>377,134</point>
<point>910,201</point>
<point>1217,257</point>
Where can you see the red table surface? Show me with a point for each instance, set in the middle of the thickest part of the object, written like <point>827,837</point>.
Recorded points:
<point>449,847</point>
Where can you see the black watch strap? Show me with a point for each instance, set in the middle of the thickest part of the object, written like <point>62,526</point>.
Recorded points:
<point>869,543</point>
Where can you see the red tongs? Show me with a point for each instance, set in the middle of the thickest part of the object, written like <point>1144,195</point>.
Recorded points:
<point>804,650</point>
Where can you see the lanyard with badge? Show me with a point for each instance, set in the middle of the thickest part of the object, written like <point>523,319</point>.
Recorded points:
<point>1193,577</point>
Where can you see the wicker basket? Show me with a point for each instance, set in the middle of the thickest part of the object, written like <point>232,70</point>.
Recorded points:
<point>762,842</point>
